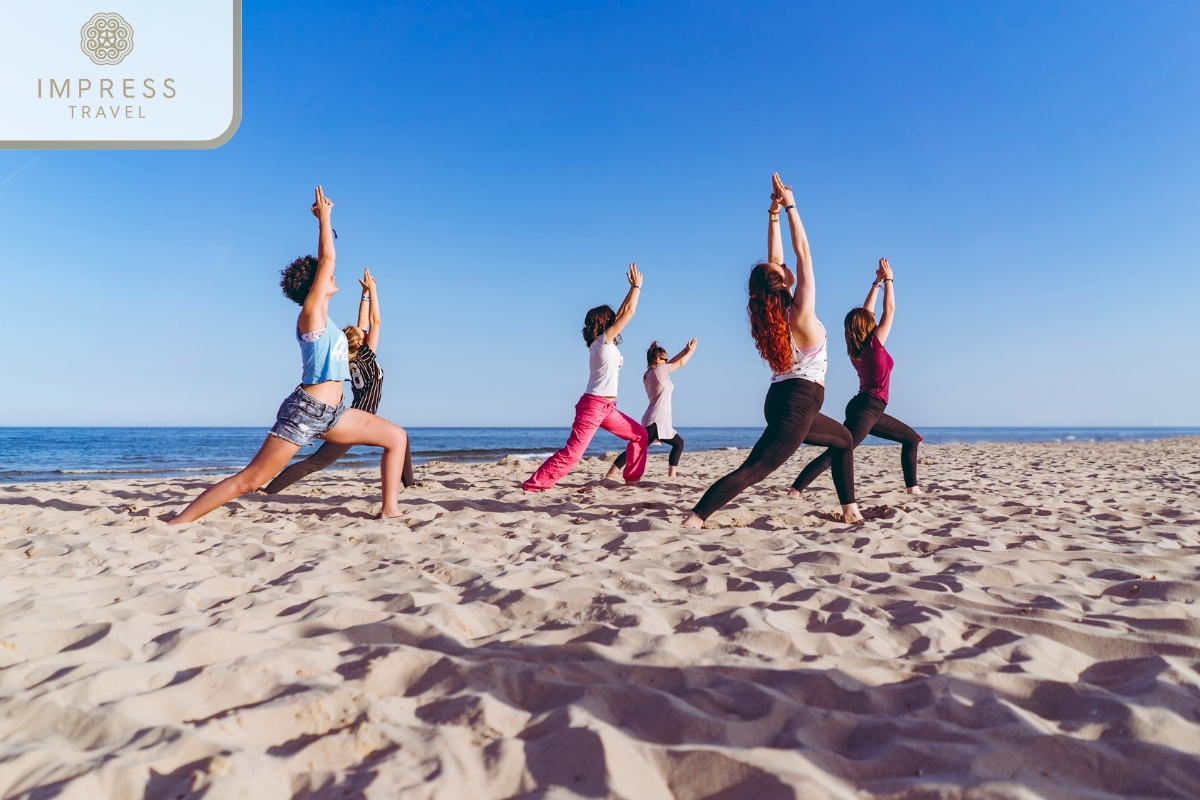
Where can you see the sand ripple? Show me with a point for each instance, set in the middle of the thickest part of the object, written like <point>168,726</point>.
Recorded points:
<point>1028,629</point>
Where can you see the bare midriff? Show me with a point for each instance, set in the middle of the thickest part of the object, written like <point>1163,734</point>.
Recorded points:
<point>328,392</point>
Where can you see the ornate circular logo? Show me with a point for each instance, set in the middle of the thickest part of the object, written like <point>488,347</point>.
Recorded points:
<point>106,39</point>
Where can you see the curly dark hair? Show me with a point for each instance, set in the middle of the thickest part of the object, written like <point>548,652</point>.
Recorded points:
<point>298,278</point>
<point>597,322</point>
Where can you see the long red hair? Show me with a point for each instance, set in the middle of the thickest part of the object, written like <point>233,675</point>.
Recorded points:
<point>768,305</point>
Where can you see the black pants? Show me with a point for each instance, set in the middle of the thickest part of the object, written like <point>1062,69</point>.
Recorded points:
<point>793,412</point>
<point>675,441</point>
<point>864,415</point>
<point>325,456</point>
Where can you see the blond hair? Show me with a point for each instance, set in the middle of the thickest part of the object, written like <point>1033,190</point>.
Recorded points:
<point>354,339</point>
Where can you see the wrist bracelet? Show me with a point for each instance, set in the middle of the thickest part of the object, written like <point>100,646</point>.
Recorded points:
<point>887,280</point>
<point>874,285</point>
<point>789,208</point>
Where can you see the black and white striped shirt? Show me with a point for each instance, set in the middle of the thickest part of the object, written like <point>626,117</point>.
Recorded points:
<point>366,380</point>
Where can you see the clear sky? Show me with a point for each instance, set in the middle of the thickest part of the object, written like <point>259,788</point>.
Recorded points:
<point>1031,169</point>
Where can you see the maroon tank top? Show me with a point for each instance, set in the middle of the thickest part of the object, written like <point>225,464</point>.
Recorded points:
<point>874,370</point>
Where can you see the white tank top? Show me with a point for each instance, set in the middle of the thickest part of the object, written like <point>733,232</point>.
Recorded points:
<point>604,364</point>
<point>808,363</point>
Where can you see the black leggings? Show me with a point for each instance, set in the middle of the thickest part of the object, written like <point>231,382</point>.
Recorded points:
<point>793,412</point>
<point>325,456</point>
<point>864,415</point>
<point>675,441</point>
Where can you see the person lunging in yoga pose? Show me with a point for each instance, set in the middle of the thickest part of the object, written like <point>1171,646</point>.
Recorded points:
<point>366,382</point>
<point>657,419</point>
<point>864,412</point>
<point>598,407</point>
<point>792,341</point>
<point>315,410</point>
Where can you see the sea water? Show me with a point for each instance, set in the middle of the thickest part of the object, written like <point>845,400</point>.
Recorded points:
<point>57,454</point>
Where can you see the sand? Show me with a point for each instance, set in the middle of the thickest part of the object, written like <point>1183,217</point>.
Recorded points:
<point>1028,629</point>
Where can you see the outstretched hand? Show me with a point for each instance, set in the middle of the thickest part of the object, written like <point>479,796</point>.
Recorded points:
<point>691,345</point>
<point>784,192</point>
<point>775,204</point>
<point>321,205</point>
<point>884,272</point>
<point>634,276</point>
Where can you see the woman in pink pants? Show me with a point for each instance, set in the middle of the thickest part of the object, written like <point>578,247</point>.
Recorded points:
<point>598,407</point>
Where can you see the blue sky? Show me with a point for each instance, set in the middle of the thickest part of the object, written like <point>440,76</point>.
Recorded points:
<point>1030,169</point>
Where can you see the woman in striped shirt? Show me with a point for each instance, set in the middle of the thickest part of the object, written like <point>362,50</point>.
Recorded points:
<point>366,381</point>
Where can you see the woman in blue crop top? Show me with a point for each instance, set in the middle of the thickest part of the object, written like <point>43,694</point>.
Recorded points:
<point>315,410</point>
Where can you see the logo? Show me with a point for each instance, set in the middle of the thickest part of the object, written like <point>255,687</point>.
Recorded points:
<point>70,77</point>
<point>106,39</point>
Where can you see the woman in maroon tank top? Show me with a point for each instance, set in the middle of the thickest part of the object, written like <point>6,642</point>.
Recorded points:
<point>864,412</point>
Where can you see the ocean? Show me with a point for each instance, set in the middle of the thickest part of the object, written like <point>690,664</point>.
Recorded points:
<point>57,454</point>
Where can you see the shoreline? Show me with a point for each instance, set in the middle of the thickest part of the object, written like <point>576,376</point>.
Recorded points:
<point>355,460</point>
<point>1032,625</point>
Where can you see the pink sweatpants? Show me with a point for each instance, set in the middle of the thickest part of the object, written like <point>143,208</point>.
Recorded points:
<point>592,412</point>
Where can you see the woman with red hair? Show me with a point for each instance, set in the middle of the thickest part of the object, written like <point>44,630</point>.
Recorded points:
<point>792,341</point>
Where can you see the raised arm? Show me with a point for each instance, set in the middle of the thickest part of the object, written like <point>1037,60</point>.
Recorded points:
<point>869,303</point>
<point>884,327</point>
<point>364,303</point>
<point>376,318</point>
<point>628,305</point>
<point>806,328</point>
<point>312,315</point>
<point>774,237</point>
<point>686,353</point>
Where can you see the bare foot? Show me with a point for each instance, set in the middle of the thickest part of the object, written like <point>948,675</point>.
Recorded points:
<point>850,514</point>
<point>693,521</point>
<point>390,513</point>
<point>793,492</point>
<point>914,490</point>
<point>670,472</point>
<point>633,483</point>
<point>612,473</point>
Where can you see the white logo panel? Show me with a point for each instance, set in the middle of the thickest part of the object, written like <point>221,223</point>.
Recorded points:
<point>75,79</point>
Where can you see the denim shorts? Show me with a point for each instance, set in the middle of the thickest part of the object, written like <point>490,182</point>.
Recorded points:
<point>303,418</point>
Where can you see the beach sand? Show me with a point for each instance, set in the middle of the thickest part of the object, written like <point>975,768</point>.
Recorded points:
<point>1030,628</point>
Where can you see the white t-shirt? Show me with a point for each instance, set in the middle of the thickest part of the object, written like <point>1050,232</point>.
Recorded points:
<point>659,388</point>
<point>604,364</point>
